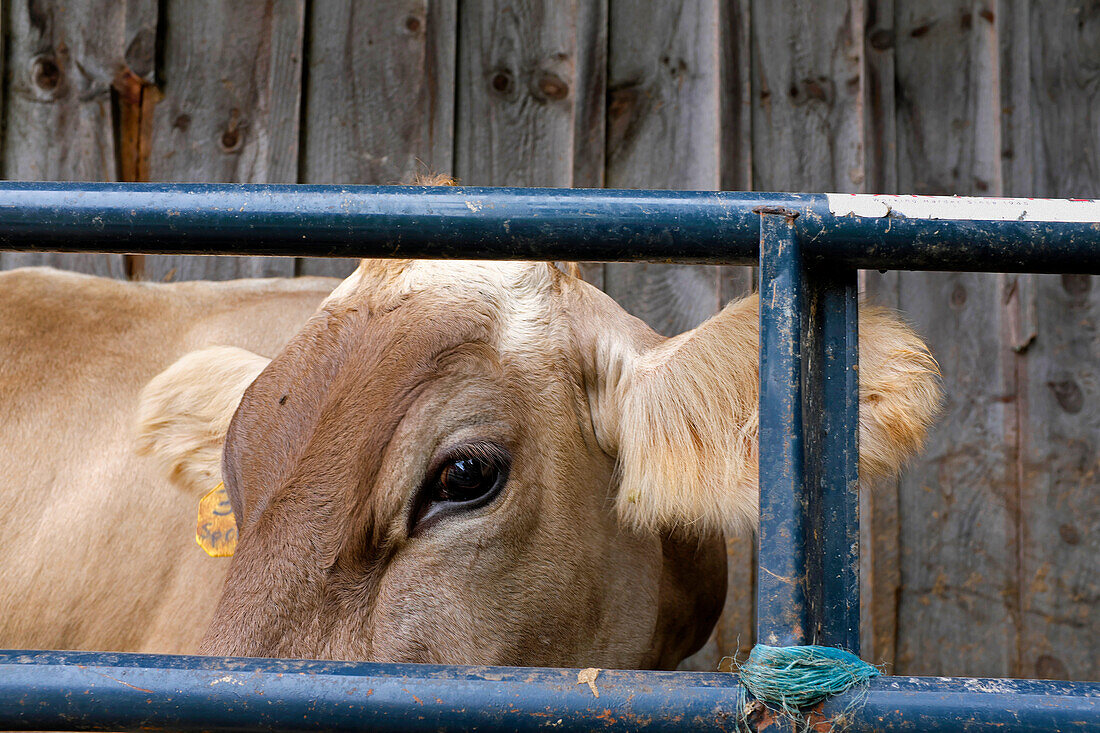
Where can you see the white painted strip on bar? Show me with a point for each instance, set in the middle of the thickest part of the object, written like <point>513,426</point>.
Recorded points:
<point>964,207</point>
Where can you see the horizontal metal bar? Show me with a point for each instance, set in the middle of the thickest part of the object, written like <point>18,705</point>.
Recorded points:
<point>545,224</point>
<point>946,704</point>
<point>139,692</point>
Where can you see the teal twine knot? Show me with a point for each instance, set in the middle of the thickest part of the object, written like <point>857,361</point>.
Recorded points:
<point>789,678</point>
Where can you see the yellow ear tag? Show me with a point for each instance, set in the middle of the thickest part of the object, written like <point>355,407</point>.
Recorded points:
<point>216,530</point>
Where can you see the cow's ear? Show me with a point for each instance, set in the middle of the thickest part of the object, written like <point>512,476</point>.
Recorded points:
<point>184,412</point>
<point>683,418</point>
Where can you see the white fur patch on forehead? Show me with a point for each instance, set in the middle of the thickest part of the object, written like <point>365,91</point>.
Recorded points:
<point>518,279</point>
<point>517,293</point>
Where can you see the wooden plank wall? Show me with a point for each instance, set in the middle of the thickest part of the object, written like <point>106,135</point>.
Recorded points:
<point>980,559</point>
<point>980,563</point>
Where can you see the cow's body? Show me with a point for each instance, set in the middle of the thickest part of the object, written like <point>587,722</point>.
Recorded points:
<point>99,549</point>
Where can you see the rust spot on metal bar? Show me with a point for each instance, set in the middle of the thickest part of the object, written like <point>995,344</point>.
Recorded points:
<point>790,214</point>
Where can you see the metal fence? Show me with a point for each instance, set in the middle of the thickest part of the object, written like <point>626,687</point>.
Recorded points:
<point>809,248</point>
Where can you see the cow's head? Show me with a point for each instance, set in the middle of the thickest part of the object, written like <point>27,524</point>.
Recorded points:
<point>493,463</point>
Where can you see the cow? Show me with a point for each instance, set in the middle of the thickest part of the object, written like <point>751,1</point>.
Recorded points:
<point>99,549</point>
<point>491,463</point>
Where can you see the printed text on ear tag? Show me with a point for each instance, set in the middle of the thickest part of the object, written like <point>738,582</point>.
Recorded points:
<point>216,530</point>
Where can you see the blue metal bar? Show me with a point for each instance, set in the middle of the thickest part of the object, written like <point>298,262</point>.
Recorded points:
<point>785,610</point>
<point>138,692</point>
<point>831,422</point>
<point>507,223</point>
<point>808,572</point>
<point>946,705</point>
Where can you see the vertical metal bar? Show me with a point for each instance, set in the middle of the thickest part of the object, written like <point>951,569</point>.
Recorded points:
<point>808,575</point>
<point>831,422</point>
<point>784,616</point>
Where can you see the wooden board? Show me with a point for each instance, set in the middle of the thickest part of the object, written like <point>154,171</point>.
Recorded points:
<point>663,131</point>
<point>63,59</point>
<point>957,605</point>
<point>1055,136</point>
<point>590,111</point>
<point>1059,382</point>
<point>231,78</point>
<point>880,576</point>
<point>517,93</point>
<point>807,123</point>
<point>531,96</point>
<point>379,97</point>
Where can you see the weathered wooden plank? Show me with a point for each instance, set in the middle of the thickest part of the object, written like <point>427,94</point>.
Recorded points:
<point>531,96</point>
<point>1058,466</point>
<point>590,92</point>
<point>1018,300</point>
<point>517,92</point>
<point>735,129</point>
<point>663,132</point>
<point>958,604</point>
<point>807,123</point>
<point>379,96</point>
<point>231,76</point>
<point>590,113</point>
<point>879,519</point>
<point>879,137</point>
<point>62,61</point>
<point>735,143</point>
<point>1054,151</point>
<point>957,537</point>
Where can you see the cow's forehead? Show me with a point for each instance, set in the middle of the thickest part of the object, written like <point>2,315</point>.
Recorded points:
<point>516,296</point>
<point>385,279</point>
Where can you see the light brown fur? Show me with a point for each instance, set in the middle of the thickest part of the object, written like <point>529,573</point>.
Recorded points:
<point>99,549</point>
<point>688,422</point>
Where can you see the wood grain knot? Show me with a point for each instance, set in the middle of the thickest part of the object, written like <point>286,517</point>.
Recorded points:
<point>622,99</point>
<point>1078,285</point>
<point>1068,395</point>
<point>233,136</point>
<point>1048,667</point>
<point>551,86</point>
<point>958,296</point>
<point>819,89</point>
<point>503,82</point>
<point>1069,534</point>
<point>881,39</point>
<point>45,73</point>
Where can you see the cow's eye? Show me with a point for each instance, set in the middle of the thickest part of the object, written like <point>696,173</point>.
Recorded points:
<point>466,479</point>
